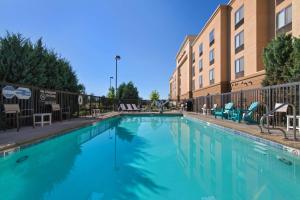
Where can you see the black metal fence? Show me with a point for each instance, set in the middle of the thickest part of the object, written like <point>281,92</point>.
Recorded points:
<point>267,96</point>
<point>32,99</point>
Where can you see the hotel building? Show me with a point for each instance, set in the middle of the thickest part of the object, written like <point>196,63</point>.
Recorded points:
<point>227,53</point>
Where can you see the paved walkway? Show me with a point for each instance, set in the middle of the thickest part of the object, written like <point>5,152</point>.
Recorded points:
<point>11,138</point>
<point>276,136</point>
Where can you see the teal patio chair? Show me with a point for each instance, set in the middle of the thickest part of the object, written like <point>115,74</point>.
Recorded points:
<point>224,112</point>
<point>246,115</point>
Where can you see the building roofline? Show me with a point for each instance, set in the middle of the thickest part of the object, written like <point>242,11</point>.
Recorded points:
<point>174,71</point>
<point>230,2</point>
<point>187,38</point>
<point>220,6</point>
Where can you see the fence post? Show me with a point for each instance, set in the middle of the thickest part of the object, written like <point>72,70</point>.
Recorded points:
<point>90,99</point>
<point>78,107</point>
<point>99,101</point>
<point>60,103</point>
<point>241,99</point>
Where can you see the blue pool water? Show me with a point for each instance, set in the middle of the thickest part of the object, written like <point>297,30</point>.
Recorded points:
<point>150,157</point>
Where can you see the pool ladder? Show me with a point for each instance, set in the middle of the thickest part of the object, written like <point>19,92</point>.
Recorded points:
<point>266,116</point>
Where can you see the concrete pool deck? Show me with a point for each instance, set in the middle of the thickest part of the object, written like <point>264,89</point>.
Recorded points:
<point>10,139</point>
<point>254,130</point>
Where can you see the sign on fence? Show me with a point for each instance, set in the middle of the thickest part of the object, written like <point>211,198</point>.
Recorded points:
<point>10,92</point>
<point>80,100</point>
<point>47,96</point>
<point>23,93</point>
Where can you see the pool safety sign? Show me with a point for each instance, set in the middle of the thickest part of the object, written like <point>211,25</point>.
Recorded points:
<point>23,93</point>
<point>80,100</point>
<point>47,96</point>
<point>10,92</point>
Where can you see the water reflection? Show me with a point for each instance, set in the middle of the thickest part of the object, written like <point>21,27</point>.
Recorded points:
<point>226,167</point>
<point>82,165</point>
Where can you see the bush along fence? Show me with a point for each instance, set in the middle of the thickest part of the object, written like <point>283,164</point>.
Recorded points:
<point>266,96</point>
<point>61,104</point>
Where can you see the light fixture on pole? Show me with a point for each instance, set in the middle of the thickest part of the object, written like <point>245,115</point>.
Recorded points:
<point>110,78</point>
<point>117,58</point>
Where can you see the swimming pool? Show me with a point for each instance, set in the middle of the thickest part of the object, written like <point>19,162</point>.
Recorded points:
<point>150,157</point>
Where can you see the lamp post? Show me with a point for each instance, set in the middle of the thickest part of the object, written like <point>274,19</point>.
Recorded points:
<point>110,78</point>
<point>117,58</point>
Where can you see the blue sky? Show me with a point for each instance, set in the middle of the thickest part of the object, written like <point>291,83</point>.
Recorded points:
<point>146,33</point>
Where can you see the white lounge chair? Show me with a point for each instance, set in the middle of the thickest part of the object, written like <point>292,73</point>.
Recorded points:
<point>283,109</point>
<point>135,108</point>
<point>214,108</point>
<point>122,107</point>
<point>129,108</point>
<point>204,109</point>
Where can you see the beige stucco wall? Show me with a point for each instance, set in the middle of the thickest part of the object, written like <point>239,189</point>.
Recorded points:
<point>258,27</point>
<point>173,86</point>
<point>183,66</point>
<point>218,23</point>
<point>296,18</point>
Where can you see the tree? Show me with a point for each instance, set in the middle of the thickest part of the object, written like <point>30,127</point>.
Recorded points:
<point>24,62</point>
<point>111,93</point>
<point>282,60</point>
<point>296,60</point>
<point>154,96</point>
<point>127,91</point>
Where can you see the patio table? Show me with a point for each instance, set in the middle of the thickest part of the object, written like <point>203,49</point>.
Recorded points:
<point>42,117</point>
<point>288,122</point>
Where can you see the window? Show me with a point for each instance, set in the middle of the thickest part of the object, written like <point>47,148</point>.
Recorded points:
<point>200,81</point>
<point>284,17</point>
<point>211,56</point>
<point>201,49</point>
<point>239,67</point>
<point>239,17</point>
<point>193,70</point>
<point>239,42</point>
<point>212,37</point>
<point>193,57</point>
<point>211,76</point>
<point>200,65</point>
<point>193,85</point>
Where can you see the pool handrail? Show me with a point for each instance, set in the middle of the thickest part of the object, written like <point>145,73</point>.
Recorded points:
<point>268,113</point>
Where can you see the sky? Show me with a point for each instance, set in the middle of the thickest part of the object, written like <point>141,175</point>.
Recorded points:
<point>147,34</point>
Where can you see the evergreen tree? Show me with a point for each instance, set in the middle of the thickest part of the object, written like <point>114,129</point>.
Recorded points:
<point>127,91</point>
<point>23,62</point>
<point>111,93</point>
<point>282,60</point>
<point>154,96</point>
